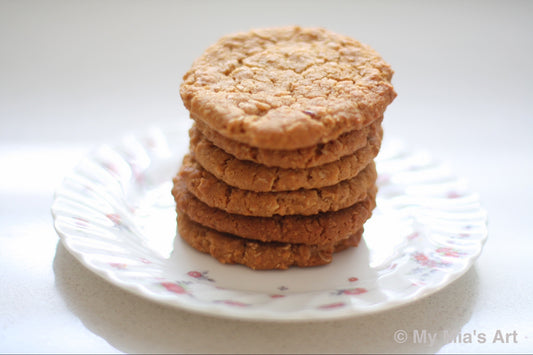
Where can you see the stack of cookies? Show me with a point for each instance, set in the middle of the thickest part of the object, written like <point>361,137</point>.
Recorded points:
<point>280,170</point>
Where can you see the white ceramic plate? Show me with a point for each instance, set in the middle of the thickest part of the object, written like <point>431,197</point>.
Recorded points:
<point>116,215</point>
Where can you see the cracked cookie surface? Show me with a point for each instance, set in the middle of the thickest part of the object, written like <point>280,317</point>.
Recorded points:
<point>318,229</point>
<point>216,193</point>
<point>230,249</point>
<point>287,88</point>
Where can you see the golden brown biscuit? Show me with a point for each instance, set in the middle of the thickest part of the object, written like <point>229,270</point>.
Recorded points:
<point>230,249</point>
<point>302,158</point>
<point>288,87</point>
<point>320,229</point>
<point>247,175</point>
<point>216,193</point>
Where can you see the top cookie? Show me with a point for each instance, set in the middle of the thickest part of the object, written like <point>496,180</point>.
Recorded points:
<point>288,87</point>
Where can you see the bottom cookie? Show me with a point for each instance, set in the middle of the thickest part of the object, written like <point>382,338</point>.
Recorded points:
<point>230,249</point>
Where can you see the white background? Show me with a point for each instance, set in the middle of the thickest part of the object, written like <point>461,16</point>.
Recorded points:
<point>75,74</point>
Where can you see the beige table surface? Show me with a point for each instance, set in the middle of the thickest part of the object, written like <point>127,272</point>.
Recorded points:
<point>76,74</point>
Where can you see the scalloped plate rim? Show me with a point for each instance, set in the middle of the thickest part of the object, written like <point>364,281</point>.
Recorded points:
<point>261,314</point>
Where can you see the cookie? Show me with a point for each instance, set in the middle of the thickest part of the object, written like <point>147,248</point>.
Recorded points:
<point>216,193</point>
<point>288,87</point>
<point>302,158</point>
<point>230,249</point>
<point>319,229</point>
<point>247,175</point>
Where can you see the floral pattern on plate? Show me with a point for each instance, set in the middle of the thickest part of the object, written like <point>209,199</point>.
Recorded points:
<point>116,215</point>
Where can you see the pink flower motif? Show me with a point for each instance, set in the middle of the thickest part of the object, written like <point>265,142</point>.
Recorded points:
<point>145,261</point>
<point>413,235</point>
<point>353,279</point>
<point>81,222</point>
<point>449,252</point>
<point>200,275</point>
<point>138,174</point>
<point>195,274</point>
<point>277,296</point>
<point>453,194</point>
<point>112,168</point>
<point>114,217</point>
<point>350,291</point>
<point>173,287</point>
<point>466,234</point>
<point>416,284</point>
<point>332,305</point>
<point>355,291</point>
<point>423,260</point>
